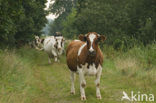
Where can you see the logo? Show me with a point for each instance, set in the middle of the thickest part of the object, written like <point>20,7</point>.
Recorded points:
<point>137,97</point>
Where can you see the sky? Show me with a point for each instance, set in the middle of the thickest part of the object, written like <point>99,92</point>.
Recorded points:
<point>50,16</point>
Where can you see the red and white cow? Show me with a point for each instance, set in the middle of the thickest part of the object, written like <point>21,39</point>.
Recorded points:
<point>85,58</point>
<point>54,46</point>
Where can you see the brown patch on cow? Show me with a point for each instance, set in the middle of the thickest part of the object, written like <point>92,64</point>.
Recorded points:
<point>83,85</point>
<point>62,42</point>
<point>85,58</point>
<point>98,84</point>
<point>55,45</point>
<point>82,37</point>
<point>42,40</point>
<point>73,60</point>
<point>72,54</point>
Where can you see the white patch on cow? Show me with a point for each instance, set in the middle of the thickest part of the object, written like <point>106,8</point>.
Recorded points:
<point>81,48</point>
<point>59,40</point>
<point>97,81</point>
<point>72,78</point>
<point>82,82</point>
<point>36,37</point>
<point>76,40</point>
<point>91,70</point>
<point>91,37</point>
<point>37,40</point>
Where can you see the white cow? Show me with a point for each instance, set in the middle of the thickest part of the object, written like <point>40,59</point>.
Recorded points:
<point>54,46</point>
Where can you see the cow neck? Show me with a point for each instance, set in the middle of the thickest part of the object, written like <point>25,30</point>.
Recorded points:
<point>90,59</point>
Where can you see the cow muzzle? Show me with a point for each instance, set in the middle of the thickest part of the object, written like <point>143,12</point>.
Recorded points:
<point>92,53</point>
<point>59,49</point>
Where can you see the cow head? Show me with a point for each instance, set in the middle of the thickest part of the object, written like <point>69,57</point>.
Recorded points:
<point>92,39</point>
<point>59,45</point>
<point>37,40</point>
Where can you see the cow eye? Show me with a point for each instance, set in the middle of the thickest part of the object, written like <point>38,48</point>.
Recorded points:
<point>96,41</point>
<point>87,42</point>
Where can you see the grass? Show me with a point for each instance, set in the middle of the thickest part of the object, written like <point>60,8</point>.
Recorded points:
<point>26,76</point>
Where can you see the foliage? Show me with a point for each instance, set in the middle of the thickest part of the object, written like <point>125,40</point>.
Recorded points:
<point>69,31</point>
<point>20,20</point>
<point>61,8</point>
<point>45,30</point>
<point>129,21</point>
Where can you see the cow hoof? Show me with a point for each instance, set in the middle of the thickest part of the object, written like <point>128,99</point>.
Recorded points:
<point>72,92</point>
<point>83,98</point>
<point>98,97</point>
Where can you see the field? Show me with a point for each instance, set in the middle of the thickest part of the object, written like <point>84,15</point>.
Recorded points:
<point>26,76</point>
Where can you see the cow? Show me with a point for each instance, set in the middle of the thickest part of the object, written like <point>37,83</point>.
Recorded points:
<point>85,58</point>
<point>54,46</point>
<point>37,43</point>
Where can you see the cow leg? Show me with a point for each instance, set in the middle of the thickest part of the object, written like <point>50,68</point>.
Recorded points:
<point>72,82</point>
<point>55,58</point>
<point>36,47</point>
<point>58,58</point>
<point>82,83</point>
<point>49,59</point>
<point>97,82</point>
<point>55,55</point>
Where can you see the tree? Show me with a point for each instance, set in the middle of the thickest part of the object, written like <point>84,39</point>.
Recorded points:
<point>118,19</point>
<point>125,21</point>
<point>20,20</point>
<point>61,8</point>
<point>69,29</point>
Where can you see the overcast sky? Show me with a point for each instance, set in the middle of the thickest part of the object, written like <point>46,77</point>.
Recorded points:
<point>50,16</point>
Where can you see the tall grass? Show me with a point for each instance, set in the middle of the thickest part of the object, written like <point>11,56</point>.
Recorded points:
<point>26,76</point>
<point>14,78</point>
<point>137,65</point>
<point>16,75</point>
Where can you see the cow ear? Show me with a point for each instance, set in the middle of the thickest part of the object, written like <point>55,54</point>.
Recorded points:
<point>42,40</point>
<point>101,38</point>
<point>64,39</point>
<point>82,37</point>
<point>36,36</point>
